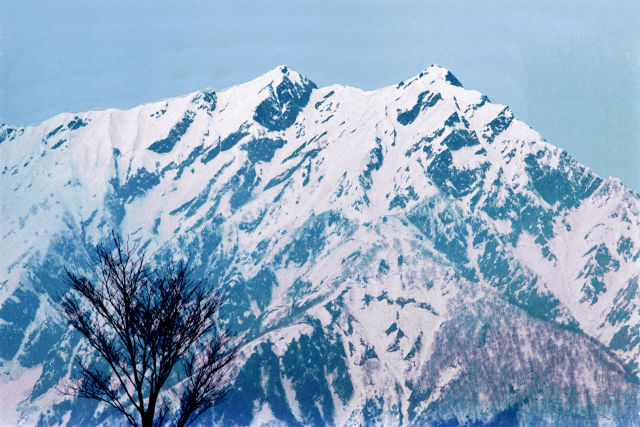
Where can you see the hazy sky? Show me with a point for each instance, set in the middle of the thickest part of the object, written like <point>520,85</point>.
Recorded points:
<point>571,70</point>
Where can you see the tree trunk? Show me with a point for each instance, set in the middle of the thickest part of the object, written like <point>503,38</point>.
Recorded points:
<point>147,418</point>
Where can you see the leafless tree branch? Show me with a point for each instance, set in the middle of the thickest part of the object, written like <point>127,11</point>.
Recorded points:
<point>144,322</point>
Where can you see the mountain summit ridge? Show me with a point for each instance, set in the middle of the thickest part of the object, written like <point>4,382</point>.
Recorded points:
<point>387,253</point>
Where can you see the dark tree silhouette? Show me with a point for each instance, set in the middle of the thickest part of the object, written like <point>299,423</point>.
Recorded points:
<point>151,327</point>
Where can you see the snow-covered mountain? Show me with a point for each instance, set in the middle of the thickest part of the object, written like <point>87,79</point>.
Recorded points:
<point>409,255</point>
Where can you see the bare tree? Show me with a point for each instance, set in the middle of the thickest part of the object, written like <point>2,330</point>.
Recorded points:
<point>145,324</point>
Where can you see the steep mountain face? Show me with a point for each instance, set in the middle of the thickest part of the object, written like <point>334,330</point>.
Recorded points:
<point>409,255</point>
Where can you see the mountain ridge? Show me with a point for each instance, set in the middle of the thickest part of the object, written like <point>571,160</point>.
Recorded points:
<point>331,215</point>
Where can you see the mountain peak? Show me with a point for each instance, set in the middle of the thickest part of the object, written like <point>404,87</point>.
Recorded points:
<point>279,73</point>
<point>436,72</point>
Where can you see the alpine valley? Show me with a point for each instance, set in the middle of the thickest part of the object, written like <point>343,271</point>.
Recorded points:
<point>412,255</point>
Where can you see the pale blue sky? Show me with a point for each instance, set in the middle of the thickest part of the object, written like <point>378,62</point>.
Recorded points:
<point>570,69</point>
